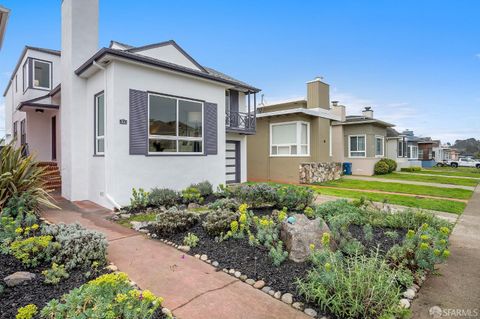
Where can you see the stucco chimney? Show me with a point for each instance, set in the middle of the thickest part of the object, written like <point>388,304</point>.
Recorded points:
<point>339,110</point>
<point>79,43</point>
<point>318,94</point>
<point>368,112</point>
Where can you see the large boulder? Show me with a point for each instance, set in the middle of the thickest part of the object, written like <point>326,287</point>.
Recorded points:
<point>18,278</point>
<point>299,235</point>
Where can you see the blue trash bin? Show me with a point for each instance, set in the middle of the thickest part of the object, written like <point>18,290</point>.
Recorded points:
<point>347,168</point>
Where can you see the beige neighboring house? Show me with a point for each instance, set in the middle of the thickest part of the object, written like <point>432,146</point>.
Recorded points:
<point>360,140</point>
<point>290,133</point>
<point>4,13</point>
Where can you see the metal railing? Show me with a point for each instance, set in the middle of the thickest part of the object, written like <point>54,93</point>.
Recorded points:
<point>240,121</point>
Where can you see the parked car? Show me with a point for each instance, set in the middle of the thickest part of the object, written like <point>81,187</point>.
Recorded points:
<point>465,162</point>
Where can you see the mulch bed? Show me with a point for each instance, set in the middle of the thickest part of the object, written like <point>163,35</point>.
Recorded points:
<point>379,241</point>
<point>34,291</point>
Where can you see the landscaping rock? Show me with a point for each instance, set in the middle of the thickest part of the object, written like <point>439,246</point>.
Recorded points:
<point>271,292</point>
<point>166,312</point>
<point>215,264</point>
<point>299,236</point>
<point>231,271</point>
<point>259,284</point>
<point>185,249</point>
<point>266,289</point>
<point>310,312</point>
<point>249,281</point>
<point>243,277</point>
<point>208,261</point>
<point>298,305</point>
<point>237,274</point>
<point>287,298</point>
<point>416,287</point>
<point>144,231</point>
<point>409,293</point>
<point>197,256</point>
<point>112,268</point>
<point>125,216</point>
<point>225,270</point>
<point>203,257</point>
<point>404,303</point>
<point>277,294</point>
<point>138,225</point>
<point>18,278</point>
<point>193,206</point>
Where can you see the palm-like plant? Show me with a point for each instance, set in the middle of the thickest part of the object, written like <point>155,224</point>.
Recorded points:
<point>19,174</point>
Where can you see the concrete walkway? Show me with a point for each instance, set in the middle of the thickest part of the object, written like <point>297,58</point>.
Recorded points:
<point>440,175</point>
<point>385,180</point>
<point>457,287</point>
<point>192,289</point>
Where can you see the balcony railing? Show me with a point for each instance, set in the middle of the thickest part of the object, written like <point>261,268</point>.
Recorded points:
<point>240,122</point>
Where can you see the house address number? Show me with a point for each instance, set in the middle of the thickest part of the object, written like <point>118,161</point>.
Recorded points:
<point>123,121</point>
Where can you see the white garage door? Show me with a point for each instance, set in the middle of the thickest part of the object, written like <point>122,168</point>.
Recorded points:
<point>232,160</point>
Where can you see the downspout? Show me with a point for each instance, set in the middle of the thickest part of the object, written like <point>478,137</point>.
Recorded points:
<point>107,196</point>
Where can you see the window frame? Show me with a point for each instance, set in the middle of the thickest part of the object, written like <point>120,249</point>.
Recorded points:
<point>412,147</point>
<point>350,146</point>
<point>50,79</point>
<point>380,137</point>
<point>26,75</point>
<point>23,132</point>
<point>97,137</point>
<point>176,137</point>
<point>401,149</point>
<point>15,130</point>
<point>298,139</point>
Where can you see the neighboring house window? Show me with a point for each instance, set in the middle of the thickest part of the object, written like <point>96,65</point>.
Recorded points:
<point>379,146</point>
<point>42,74</point>
<point>357,145</point>
<point>412,152</point>
<point>23,134</point>
<point>25,75</point>
<point>227,101</point>
<point>401,148</point>
<point>290,139</point>
<point>15,130</point>
<point>100,124</point>
<point>175,125</point>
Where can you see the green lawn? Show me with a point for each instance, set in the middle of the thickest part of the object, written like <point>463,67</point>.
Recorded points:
<point>430,179</point>
<point>402,188</point>
<point>448,171</point>
<point>150,217</point>
<point>442,205</point>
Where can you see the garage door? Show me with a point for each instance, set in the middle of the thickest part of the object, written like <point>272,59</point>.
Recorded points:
<point>232,160</point>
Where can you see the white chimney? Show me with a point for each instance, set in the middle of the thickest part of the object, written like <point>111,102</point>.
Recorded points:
<point>79,43</point>
<point>368,112</point>
<point>339,110</point>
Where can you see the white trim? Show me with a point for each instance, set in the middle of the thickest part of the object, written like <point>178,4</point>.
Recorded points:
<point>318,112</point>
<point>49,74</point>
<point>176,138</point>
<point>412,147</point>
<point>350,149</point>
<point>383,145</point>
<point>330,141</point>
<point>100,137</point>
<point>297,139</point>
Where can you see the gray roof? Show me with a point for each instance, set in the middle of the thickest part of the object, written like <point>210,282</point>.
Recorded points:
<point>391,132</point>
<point>359,119</point>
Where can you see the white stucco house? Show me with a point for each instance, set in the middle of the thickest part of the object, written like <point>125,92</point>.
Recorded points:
<point>119,117</point>
<point>4,13</point>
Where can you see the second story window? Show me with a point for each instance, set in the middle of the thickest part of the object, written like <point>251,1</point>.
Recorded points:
<point>227,101</point>
<point>42,71</point>
<point>100,124</point>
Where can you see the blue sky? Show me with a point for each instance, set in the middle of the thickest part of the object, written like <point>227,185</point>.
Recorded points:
<point>417,63</point>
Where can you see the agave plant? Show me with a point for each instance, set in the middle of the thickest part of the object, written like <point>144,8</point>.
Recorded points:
<point>19,174</point>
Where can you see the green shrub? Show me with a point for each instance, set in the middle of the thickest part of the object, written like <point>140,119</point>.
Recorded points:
<point>191,240</point>
<point>256,195</point>
<point>80,247</point>
<point>411,169</point>
<point>334,208</point>
<point>225,203</point>
<point>27,312</point>
<point>139,198</point>
<point>357,287</point>
<point>20,204</point>
<point>55,274</point>
<point>277,254</point>
<point>33,250</point>
<point>294,197</point>
<point>381,168</point>
<point>20,174</point>
<point>163,197</point>
<point>309,212</point>
<point>205,188</point>
<point>108,296</point>
<point>174,220</point>
<point>219,221</point>
<point>392,165</point>
<point>192,195</point>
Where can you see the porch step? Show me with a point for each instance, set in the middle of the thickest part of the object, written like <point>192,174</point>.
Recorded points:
<point>53,179</point>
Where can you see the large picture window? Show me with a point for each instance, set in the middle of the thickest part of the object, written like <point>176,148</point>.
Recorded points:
<point>412,152</point>
<point>379,146</point>
<point>42,74</point>
<point>100,124</point>
<point>175,125</point>
<point>290,139</point>
<point>357,146</point>
<point>401,148</point>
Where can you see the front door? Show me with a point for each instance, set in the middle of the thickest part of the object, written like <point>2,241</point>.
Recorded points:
<point>232,160</point>
<point>54,138</point>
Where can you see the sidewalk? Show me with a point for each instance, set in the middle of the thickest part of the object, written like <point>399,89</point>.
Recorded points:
<point>457,287</point>
<point>192,289</point>
<point>385,180</point>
